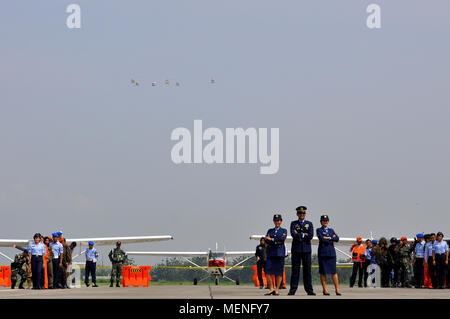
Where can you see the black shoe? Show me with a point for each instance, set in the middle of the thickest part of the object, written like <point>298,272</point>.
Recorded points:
<point>261,287</point>
<point>21,287</point>
<point>94,285</point>
<point>326,294</point>
<point>117,285</point>
<point>338,294</point>
<point>282,287</point>
<point>13,285</point>
<point>266,288</point>
<point>111,285</point>
<point>311,293</point>
<point>67,287</point>
<point>270,293</point>
<point>87,284</point>
<point>291,293</point>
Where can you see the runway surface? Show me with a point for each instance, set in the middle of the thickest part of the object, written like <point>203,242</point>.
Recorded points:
<point>217,292</point>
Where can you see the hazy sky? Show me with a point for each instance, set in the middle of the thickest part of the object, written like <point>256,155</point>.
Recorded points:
<point>363,116</point>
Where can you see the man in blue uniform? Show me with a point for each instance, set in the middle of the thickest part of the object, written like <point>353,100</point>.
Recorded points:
<point>91,262</point>
<point>429,260</point>
<point>57,248</point>
<point>419,255</point>
<point>302,232</point>
<point>260,260</point>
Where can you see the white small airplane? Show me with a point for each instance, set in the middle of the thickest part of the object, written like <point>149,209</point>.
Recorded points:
<point>216,260</point>
<point>100,241</point>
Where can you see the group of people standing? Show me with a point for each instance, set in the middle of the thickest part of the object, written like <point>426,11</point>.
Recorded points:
<point>422,263</point>
<point>44,263</point>
<point>46,260</point>
<point>272,247</point>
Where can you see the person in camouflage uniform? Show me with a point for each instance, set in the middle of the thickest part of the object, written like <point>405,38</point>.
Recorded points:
<point>66,261</point>
<point>19,267</point>
<point>381,256</point>
<point>117,257</point>
<point>404,257</point>
<point>394,261</point>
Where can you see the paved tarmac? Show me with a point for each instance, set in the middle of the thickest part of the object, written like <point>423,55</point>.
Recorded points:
<point>217,292</point>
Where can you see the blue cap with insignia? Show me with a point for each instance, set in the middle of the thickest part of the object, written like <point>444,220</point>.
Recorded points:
<point>59,233</point>
<point>420,236</point>
<point>91,243</point>
<point>301,209</point>
<point>324,218</point>
<point>55,235</point>
<point>277,217</point>
<point>374,241</point>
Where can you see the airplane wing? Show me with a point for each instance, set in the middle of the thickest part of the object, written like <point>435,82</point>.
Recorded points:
<point>102,241</point>
<point>314,241</point>
<point>11,242</point>
<point>169,253</point>
<point>240,253</point>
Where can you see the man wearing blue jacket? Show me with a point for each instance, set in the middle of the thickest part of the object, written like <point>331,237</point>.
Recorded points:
<point>302,232</point>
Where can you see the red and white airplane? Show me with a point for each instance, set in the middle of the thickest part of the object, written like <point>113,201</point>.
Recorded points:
<point>216,261</point>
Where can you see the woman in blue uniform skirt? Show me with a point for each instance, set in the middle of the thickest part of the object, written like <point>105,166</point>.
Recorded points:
<point>276,253</point>
<point>327,255</point>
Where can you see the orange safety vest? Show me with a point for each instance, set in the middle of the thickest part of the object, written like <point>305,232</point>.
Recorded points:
<point>45,259</point>
<point>359,253</point>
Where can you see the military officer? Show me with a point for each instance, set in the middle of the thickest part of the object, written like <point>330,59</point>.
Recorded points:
<point>91,262</point>
<point>260,260</point>
<point>66,261</point>
<point>302,232</point>
<point>404,253</point>
<point>419,254</point>
<point>429,260</point>
<point>58,250</point>
<point>393,261</point>
<point>276,253</point>
<point>440,259</point>
<point>37,252</point>
<point>327,255</point>
<point>117,257</point>
<point>19,268</point>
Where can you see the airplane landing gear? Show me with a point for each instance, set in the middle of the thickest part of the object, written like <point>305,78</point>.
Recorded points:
<point>195,281</point>
<point>217,281</point>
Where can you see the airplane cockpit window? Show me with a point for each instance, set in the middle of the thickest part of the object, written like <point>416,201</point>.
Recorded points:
<point>215,254</point>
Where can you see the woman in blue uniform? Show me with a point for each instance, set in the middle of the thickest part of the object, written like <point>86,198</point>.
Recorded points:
<point>327,255</point>
<point>37,252</point>
<point>276,252</point>
<point>440,259</point>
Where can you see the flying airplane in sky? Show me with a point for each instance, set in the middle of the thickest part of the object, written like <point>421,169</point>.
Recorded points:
<point>100,241</point>
<point>216,260</point>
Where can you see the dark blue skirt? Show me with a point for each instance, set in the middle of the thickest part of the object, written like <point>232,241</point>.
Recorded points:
<point>327,265</point>
<point>274,266</point>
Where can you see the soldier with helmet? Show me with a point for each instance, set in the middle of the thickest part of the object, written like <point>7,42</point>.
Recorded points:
<point>19,267</point>
<point>117,257</point>
<point>393,261</point>
<point>327,255</point>
<point>404,257</point>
